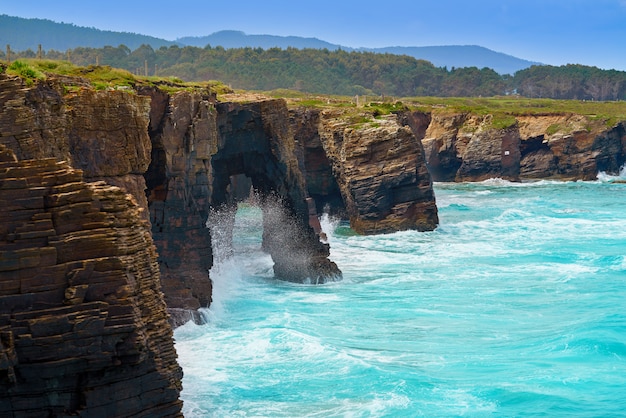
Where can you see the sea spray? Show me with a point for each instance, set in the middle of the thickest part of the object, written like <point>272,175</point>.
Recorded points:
<point>237,253</point>
<point>606,178</point>
<point>512,306</point>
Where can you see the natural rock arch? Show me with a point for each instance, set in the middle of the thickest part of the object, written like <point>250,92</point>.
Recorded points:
<point>255,140</point>
<point>198,145</point>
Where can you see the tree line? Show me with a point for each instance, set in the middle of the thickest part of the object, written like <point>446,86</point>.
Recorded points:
<point>346,73</point>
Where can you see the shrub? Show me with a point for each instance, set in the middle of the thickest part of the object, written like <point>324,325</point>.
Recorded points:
<point>27,72</point>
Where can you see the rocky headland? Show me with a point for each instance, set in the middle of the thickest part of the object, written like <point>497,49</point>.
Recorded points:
<point>109,199</point>
<point>465,147</point>
<point>371,170</point>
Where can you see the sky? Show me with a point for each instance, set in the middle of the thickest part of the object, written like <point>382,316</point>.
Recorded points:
<point>554,32</point>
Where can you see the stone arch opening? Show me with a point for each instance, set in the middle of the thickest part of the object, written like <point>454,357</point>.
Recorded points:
<point>261,148</point>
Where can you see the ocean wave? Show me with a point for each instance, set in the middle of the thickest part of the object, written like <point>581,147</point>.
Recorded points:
<point>603,177</point>
<point>512,306</point>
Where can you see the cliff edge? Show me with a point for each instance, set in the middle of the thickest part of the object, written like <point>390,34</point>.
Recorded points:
<point>565,146</point>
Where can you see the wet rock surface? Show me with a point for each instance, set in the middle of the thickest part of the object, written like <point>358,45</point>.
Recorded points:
<point>256,140</point>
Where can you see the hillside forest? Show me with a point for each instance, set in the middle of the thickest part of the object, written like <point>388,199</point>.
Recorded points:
<point>341,72</point>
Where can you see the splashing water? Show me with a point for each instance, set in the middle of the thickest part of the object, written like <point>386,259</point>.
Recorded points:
<point>605,178</point>
<point>514,306</point>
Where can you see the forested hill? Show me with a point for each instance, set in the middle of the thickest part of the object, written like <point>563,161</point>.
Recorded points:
<point>449,56</point>
<point>23,34</point>
<point>328,70</point>
<point>349,73</point>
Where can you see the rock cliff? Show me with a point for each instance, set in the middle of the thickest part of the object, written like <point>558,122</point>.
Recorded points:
<point>177,154</point>
<point>376,166</point>
<point>183,135</point>
<point>464,147</point>
<point>256,140</point>
<point>314,163</point>
<point>83,326</point>
<point>199,148</point>
<point>103,133</point>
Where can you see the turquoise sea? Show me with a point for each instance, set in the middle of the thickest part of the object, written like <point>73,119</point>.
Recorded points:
<point>515,306</point>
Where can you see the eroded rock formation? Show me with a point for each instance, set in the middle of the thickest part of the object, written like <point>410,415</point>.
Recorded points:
<point>199,149</point>
<point>103,133</point>
<point>464,147</point>
<point>314,163</point>
<point>570,147</point>
<point>83,325</point>
<point>174,153</point>
<point>381,173</point>
<point>256,139</point>
<point>184,136</point>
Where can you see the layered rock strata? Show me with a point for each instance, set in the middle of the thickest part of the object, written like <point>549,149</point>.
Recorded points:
<point>464,147</point>
<point>320,180</point>
<point>183,135</point>
<point>381,173</point>
<point>103,133</point>
<point>83,326</point>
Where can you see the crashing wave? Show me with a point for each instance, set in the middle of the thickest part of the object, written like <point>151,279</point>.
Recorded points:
<point>604,177</point>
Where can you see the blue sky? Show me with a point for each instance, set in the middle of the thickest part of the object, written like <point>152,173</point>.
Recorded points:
<point>556,32</point>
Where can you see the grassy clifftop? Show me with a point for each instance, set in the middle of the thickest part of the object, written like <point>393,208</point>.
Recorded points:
<point>504,109</point>
<point>100,77</point>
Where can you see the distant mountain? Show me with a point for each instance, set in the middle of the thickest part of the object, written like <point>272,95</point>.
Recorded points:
<point>23,34</point>
<point>460,56</point>
<point>238,39</point>
<point>441,56</point>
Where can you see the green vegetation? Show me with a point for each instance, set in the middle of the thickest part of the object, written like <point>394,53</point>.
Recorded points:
<point>104,77</point>
<point>28,72</point>
<point>315,71</point>
<point>505,108</point>
<point>344,73</point>
<point>385,108</point>
<point>554,128</point>
<point>502,110</point>
<point>350,73</point>
<point>306,70</point>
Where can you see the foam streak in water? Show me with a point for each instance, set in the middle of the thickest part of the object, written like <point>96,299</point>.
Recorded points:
<point>512,307</point>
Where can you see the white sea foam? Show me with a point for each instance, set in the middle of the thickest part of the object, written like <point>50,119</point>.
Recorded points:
<point>512,306</point>
<point>329,224</point>
<point>603,177</point>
